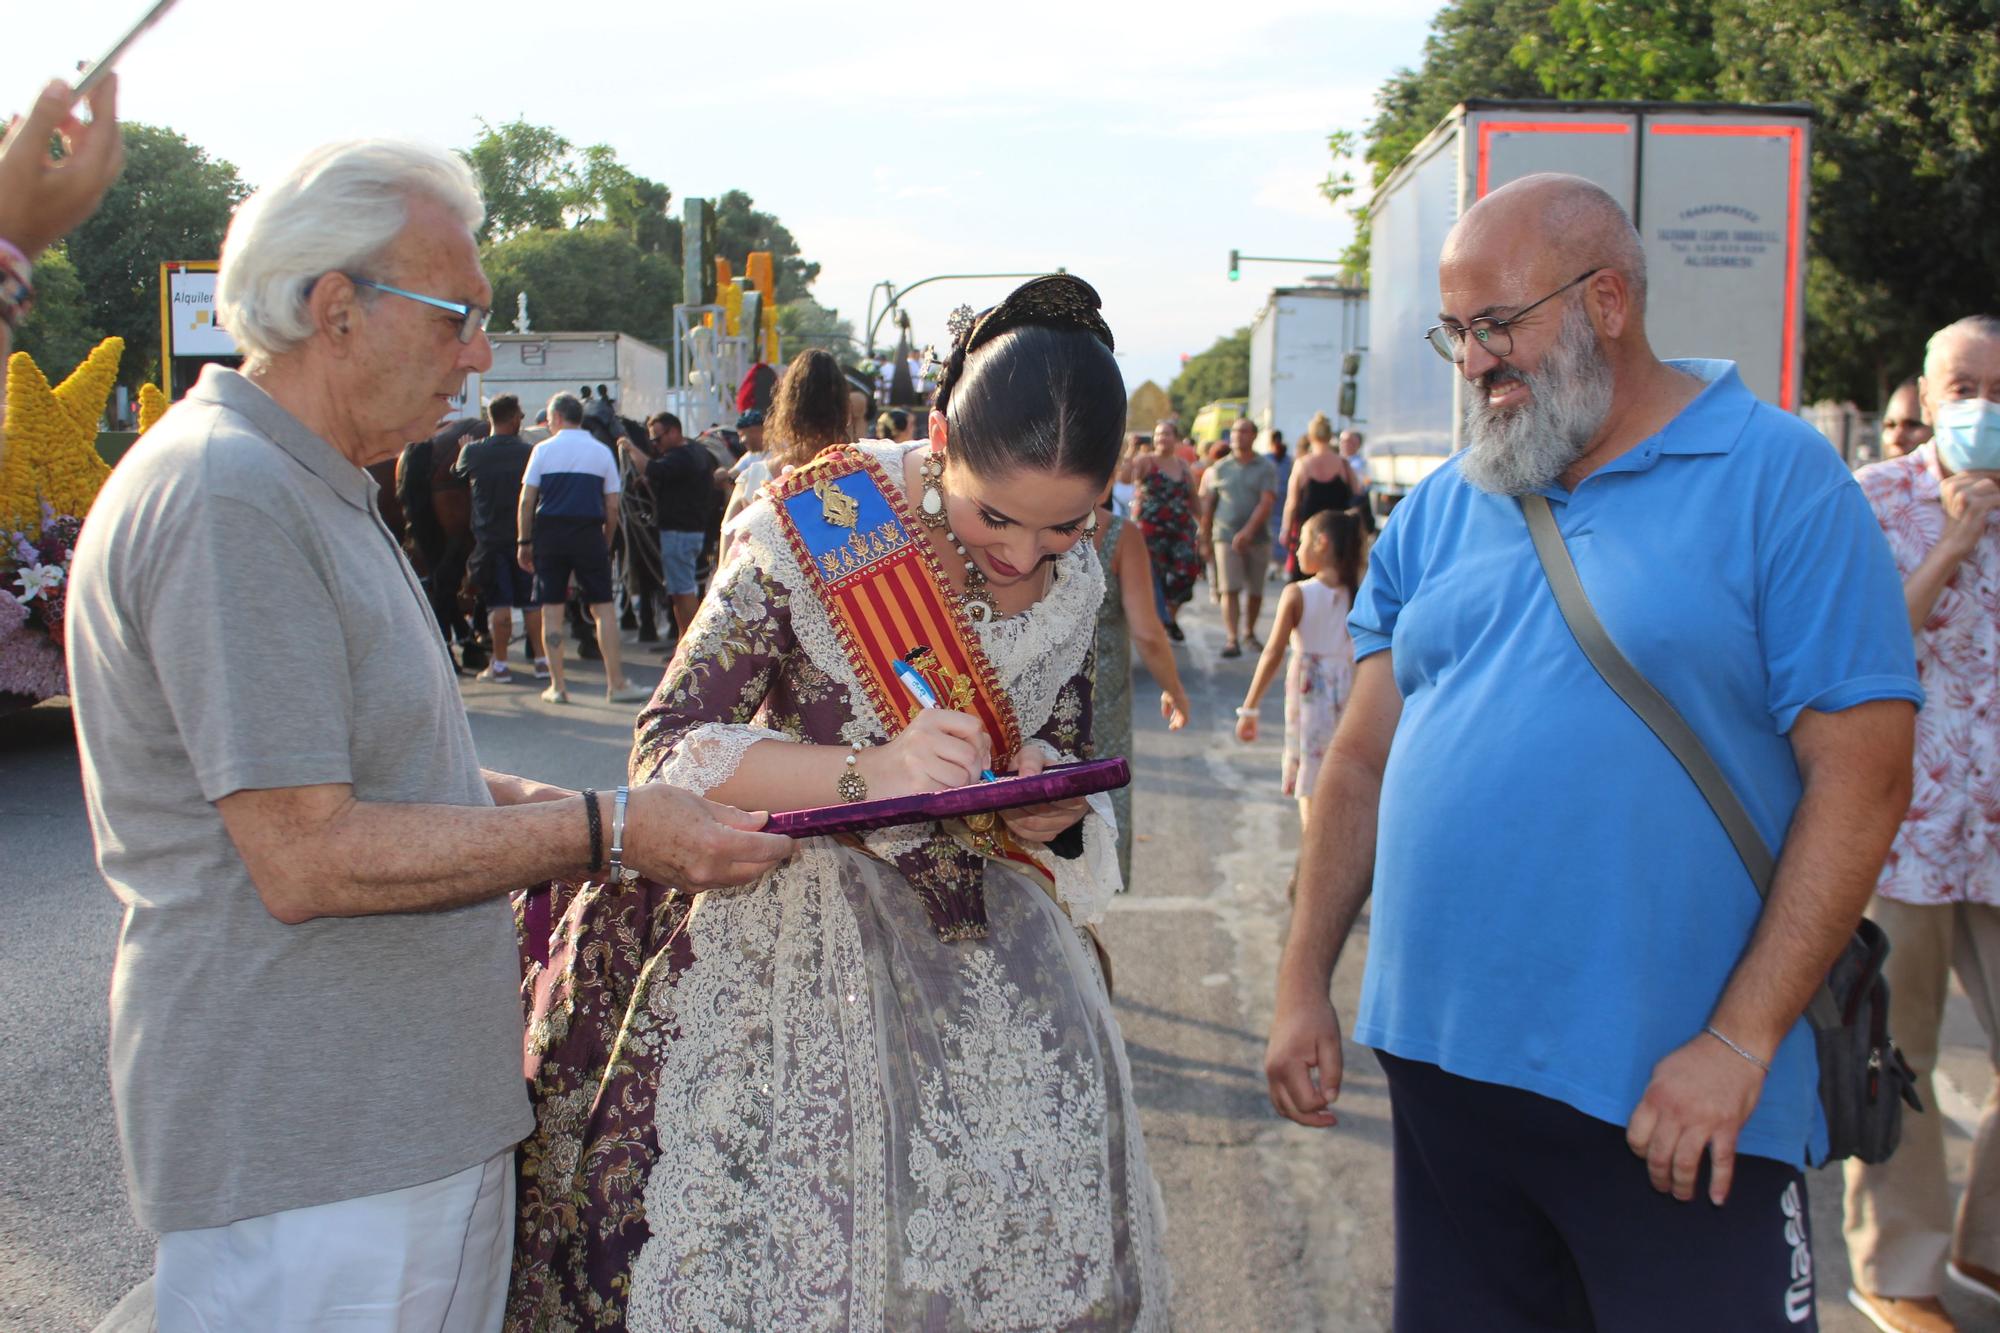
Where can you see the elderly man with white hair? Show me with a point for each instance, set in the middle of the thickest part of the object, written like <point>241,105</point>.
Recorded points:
<point>315,1031</point>
<point>1586,1014</point>
<point>1939,895</point>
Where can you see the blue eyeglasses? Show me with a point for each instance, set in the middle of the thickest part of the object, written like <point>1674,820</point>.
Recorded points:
<point>472,318</point>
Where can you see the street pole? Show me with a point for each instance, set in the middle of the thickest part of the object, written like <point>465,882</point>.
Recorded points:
<point>895,295</point>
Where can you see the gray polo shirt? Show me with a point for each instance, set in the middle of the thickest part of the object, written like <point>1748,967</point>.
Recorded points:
<point>240,618</point>
<point>1238,486</point>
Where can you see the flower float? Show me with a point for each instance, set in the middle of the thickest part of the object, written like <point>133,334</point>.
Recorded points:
<point>49,474</point>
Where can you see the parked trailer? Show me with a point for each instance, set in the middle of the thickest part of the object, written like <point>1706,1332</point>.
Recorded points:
<point>537,366</point>
<point>1717,191</point>
<point>1297,347</point>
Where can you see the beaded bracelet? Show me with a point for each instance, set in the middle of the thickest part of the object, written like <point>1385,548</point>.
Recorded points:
<point>17,293</point>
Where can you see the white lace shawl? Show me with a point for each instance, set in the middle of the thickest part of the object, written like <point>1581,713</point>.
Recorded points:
<point>863,1128</point>
<point>1034,654</point>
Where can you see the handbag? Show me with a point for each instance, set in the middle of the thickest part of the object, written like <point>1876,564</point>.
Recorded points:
<point>1864,1081</point>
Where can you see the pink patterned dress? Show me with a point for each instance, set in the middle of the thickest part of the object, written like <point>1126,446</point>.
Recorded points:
<point>1318,678</point>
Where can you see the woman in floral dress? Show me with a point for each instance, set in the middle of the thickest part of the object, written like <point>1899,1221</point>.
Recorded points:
<point>1166,516</point>
<point>882,1087</point>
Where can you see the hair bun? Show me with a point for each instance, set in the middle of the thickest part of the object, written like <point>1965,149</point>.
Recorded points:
<point>1056,301</point>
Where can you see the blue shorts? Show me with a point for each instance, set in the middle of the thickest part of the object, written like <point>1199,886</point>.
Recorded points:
<point>680,562</point>
<point>1516,1213</point>
<point>566,549</point>
<point>502,581</point>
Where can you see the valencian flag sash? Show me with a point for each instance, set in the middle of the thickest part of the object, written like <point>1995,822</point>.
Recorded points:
<point>855,538</point>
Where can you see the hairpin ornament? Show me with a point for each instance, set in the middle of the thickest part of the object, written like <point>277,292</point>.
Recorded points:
<point>959,323</point>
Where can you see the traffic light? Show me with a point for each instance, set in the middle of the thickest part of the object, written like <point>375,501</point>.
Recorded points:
<point>1235,268</point>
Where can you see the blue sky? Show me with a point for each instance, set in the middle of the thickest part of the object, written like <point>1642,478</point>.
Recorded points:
<point>1136,144</point>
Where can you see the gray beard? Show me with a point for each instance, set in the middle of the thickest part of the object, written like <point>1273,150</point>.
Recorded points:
<point>1523,449</point>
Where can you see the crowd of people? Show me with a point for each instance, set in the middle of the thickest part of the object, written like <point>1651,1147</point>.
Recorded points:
<point>884,1086</point>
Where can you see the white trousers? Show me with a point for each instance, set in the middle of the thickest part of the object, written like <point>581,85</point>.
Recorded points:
<point>428,1259</point>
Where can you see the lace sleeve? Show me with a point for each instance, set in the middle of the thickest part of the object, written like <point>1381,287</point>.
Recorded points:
<point>700,721</point>
<point>1086,884</point>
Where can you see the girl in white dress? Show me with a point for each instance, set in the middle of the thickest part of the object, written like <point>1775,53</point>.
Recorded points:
<point>1312,618</point>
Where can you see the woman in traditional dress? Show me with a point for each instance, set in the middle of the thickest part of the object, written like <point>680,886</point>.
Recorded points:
<point>1166,517</point>
<point>882,1087</point>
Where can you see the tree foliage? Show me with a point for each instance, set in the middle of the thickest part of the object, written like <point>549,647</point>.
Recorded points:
<point>1223,371</point>
<point>1906,141</point>
<point>172,201</point>
<point>588,277</point>
<point>58,334</point>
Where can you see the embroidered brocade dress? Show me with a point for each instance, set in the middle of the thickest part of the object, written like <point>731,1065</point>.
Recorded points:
<point>872,1091</point>
<point>1166,516</point>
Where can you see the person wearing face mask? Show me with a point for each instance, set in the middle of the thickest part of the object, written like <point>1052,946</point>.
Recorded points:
<point>1939,895</point>
<point>1903,424</point>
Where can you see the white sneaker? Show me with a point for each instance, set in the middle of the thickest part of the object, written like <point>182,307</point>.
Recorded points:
<point>497,673</point>
<point>541,668</point>
<point>552,695</point>
<point>628,694</point>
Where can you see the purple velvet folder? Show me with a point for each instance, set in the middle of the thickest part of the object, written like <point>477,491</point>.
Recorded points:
<point>1053,784</point>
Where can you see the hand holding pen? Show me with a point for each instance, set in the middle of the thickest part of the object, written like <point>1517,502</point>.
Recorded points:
<point>927,699</point>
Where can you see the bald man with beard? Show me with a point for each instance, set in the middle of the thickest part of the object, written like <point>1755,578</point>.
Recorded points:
<point>1586,1015</point>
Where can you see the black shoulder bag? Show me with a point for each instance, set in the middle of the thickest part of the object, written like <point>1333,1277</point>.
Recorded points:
<point>1864,1082</point>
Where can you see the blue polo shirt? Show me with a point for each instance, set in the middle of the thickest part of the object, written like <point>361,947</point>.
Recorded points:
<point>1555,906</point>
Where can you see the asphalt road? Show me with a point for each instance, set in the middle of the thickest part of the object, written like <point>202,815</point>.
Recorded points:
<point>1271,1226</point>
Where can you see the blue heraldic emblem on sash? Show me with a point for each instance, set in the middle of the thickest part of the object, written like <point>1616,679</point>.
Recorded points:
<point>841,551</point>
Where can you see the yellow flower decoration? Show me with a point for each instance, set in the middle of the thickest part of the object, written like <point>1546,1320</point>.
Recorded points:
<point>152,406</point>
<point>51,451</point>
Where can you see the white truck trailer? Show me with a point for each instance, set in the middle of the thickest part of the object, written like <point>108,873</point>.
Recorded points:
<point>1717,191</point>
<point>1298,345</point>
<point>536,366</point>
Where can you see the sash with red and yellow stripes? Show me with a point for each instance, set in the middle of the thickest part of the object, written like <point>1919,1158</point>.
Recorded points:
<point>855,538</point>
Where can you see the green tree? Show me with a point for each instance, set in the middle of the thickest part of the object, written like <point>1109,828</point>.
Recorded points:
<point>585,278</point>
<point>1906,141</point>
<point>1223,371</point>
<point>59,333</point>
<point>528,176</point>
<point>740,228</point>
<point>1906,170</point>
<point>171,202</point>
<point>806,323</point>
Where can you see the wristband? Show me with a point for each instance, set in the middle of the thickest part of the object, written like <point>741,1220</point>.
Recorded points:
<point>619,874</point>
<point>524,542</point>
<point>596,819</point>
<point>1246,712</point>
<point>17,293</point>
<point>1710,1029</point>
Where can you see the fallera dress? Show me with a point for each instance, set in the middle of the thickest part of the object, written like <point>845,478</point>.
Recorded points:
<point>882,1087</point>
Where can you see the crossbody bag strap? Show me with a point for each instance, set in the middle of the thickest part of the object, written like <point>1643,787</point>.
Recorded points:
<point>1652,708</point>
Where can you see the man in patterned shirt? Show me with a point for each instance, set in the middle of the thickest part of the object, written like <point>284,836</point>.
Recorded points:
<point>1939,896</point>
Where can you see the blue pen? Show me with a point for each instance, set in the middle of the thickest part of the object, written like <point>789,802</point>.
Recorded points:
<point>920,690</point>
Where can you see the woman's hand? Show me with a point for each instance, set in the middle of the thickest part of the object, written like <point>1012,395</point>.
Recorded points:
<point>939,748</point>
<point>42,196</point>
<point>1175,708</point>
<point>1246,728</point>
<point>1040,823</point>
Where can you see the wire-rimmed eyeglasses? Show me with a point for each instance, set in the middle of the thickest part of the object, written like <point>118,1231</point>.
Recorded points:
<point>1495,336</point>
<point>472,318</point>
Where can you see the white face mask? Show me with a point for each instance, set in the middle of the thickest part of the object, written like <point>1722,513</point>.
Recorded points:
<point>1968,435</point>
